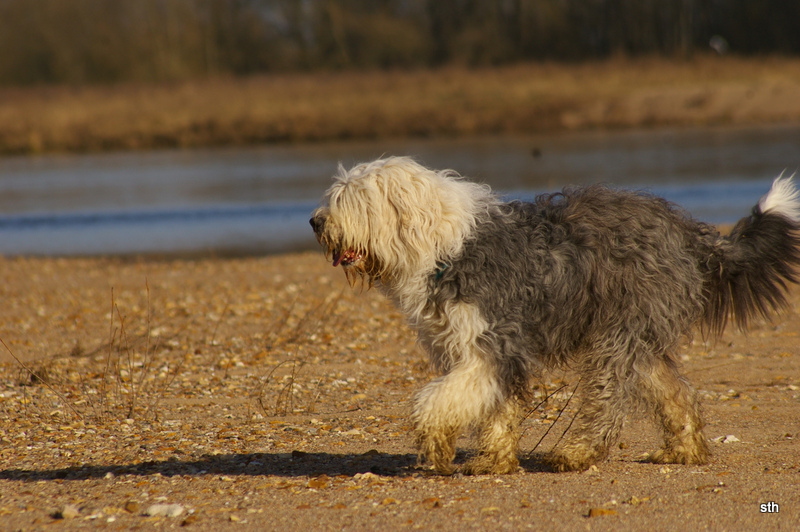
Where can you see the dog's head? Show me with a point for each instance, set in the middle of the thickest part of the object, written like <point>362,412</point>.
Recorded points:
<point>393,218</point>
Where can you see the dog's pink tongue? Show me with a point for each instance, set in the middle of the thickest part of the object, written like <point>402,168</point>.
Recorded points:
<point>337,258</point>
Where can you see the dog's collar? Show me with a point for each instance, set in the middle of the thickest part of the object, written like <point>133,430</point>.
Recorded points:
<point>440,268</point>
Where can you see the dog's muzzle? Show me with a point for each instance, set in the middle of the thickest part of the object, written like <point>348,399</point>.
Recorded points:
<point>345,257</point>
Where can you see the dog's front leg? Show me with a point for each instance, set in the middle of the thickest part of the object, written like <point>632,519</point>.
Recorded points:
<point>436,431</point>
<point>449,404</point>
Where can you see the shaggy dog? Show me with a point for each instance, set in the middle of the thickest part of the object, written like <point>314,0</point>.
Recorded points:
<point>604,281</point>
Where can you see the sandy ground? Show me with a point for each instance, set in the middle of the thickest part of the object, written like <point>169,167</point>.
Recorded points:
<point>263,393</point>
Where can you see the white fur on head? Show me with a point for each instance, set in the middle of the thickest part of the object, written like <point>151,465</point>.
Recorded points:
<point>783,199</point>
<point>403,216</point>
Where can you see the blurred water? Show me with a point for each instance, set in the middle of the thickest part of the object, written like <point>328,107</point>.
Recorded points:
<point>257,200</point>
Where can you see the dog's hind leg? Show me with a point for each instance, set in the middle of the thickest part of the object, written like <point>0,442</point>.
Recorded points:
<point>599,422</point>
<point>676,405</point>
<point>499,438</point>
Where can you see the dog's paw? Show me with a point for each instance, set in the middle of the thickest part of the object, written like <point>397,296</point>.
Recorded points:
<point>438,448</point>
<point>487,464</point>
<point>696,456</point>
<point>574,459</point>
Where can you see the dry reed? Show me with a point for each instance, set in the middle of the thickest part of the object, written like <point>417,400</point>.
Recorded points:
<point>519,99</point>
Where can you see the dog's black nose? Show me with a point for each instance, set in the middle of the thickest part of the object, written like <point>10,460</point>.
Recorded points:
<point>317,223</point>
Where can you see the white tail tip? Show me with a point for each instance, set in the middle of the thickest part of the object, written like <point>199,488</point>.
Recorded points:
<point>783,199</point>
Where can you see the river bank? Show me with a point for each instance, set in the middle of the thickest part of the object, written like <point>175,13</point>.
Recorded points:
<point>452,102</point>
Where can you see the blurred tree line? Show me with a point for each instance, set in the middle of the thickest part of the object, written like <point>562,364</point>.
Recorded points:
<point>89,41</point>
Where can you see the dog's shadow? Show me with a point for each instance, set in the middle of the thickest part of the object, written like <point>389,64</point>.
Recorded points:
<point>290,465</point>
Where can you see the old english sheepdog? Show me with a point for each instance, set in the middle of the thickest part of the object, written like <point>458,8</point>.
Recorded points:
<point>604,281</point>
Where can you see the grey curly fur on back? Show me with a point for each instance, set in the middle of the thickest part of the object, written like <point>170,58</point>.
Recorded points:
<point>578,272</point>
<point>592,268</point>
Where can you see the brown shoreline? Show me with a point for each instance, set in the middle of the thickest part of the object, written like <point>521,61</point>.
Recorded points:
<point>521,99</point>
<point>268,394</point>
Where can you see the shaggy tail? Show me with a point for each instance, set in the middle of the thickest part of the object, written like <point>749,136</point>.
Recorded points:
<point>751,268</point>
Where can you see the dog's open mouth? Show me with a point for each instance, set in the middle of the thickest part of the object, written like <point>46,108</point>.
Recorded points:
<point>346,257</point>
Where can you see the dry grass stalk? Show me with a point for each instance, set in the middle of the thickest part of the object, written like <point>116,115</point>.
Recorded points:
<point>125,386</point>
<point>282,334</point>
<point>33,374</point>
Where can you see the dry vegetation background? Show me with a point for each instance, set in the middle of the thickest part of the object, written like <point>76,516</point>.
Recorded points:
<point>454,101</point>
<point>111,41</point>
<point>137,74</point>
